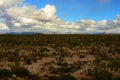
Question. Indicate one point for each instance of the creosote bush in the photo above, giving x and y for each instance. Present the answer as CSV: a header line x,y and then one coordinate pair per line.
x,y
100,74
5,73
67,77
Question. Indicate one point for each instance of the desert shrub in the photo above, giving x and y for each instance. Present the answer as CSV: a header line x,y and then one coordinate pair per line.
x,y
63,64
81,56
99,74
27,60
64,52
67,77
20,71
61,70
54,77
66,68
94,51
75,66
97,60
1,56
34,77
114,63
5,73
42,49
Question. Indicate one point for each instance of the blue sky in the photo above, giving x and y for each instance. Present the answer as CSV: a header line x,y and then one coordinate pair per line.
x,y
74,10
60,16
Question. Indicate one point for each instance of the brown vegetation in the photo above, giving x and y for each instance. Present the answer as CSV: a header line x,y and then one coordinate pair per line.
x,y
59,57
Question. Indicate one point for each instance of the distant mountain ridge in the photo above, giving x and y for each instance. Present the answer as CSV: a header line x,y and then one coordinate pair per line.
x,y
23,33
55,33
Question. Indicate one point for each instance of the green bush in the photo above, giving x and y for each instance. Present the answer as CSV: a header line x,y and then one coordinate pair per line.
x,y
67,77
99,74
115,63
5,73
21,72
28,61
34,77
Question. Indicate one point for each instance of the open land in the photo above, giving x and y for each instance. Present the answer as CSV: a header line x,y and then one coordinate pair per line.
x,y
60,57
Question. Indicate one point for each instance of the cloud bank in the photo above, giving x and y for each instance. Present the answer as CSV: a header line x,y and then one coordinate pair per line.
x,y
16,17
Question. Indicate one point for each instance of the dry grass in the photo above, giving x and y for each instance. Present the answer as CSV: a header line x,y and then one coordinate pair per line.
x,y
46,55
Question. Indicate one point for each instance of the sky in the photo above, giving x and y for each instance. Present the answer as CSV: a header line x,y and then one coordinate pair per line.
x,y
74,10
60,16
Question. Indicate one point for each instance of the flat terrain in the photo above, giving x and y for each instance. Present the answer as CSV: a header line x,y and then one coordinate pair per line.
x,y
60,57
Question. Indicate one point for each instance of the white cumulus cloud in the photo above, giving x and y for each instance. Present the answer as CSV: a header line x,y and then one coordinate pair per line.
x,y
18,17
9,3
3,26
